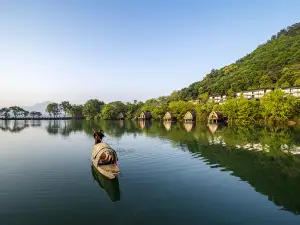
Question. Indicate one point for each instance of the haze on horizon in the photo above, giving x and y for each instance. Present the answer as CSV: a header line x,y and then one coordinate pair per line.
x,y
125,50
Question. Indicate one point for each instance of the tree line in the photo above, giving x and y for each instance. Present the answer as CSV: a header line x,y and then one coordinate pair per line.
x,y
273,106
18,112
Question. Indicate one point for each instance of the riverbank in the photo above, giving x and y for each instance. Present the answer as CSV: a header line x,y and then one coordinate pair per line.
x,y
44,118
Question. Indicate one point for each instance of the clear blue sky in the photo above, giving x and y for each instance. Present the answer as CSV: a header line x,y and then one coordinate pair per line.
x,y
124,50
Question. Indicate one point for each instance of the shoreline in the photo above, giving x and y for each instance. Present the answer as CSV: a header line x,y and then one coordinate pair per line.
x,y
46,118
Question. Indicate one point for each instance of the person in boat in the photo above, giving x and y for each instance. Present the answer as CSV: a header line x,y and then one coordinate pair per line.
x,y
98,136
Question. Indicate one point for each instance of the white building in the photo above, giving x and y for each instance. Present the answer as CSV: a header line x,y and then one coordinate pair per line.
x,y
295,91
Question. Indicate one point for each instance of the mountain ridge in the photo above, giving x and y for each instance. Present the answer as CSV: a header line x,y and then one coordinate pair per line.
x,y
275,63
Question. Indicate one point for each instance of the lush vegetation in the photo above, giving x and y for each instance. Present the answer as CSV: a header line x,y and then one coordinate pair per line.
x,y
273,64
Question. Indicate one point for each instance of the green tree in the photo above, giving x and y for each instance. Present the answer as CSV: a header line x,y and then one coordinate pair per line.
x,y
247,111
92,107
76,111
53,109
180,108
265,82
65,106
112,110
276,106
159,112
229,109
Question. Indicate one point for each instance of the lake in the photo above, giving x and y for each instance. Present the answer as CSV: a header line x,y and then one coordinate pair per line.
x,y
171,174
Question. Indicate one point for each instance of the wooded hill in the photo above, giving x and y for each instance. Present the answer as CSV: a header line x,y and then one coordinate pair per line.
x,y
273,64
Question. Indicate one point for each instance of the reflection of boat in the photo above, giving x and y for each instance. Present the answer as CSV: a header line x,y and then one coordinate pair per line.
x,y
100,153
167,125
110,186
188,126
212,127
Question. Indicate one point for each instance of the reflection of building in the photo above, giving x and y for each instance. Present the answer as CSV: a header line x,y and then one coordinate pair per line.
x,y
145,116
189,117
167,125
168,117
121,123
212,127
188,126
144,124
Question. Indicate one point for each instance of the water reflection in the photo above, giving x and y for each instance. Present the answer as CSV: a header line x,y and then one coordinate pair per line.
x,y
168,125
189,126
111,187
15,126
264,157
212,127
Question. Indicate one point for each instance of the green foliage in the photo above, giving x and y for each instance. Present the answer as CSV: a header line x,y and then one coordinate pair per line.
x,y
276,106
92,107
159,112
230,109
247,111
180,108
275,63
65,106
76,111
112,110
53,109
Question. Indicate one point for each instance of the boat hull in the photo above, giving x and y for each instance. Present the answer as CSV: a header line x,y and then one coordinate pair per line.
x,y
110,171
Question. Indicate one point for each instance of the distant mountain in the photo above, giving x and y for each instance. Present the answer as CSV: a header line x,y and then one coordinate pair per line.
x,y
39,107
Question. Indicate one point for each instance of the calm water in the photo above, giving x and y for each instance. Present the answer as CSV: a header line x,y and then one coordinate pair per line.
x,y
171,174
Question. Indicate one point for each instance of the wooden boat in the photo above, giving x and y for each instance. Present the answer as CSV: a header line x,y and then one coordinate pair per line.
x,y
111,187
100,152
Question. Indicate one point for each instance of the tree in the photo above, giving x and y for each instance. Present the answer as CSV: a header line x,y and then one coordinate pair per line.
x,y
16,110
4,112
247,111
65,106
180,108
92,107
159,112
112,110
25,113
53,109
276,106
265,82
76,111
229,109
203,97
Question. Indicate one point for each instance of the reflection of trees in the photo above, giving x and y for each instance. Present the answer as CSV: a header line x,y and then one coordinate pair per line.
x,y
277,178
111,187
15,126
35,123
64,127
255,154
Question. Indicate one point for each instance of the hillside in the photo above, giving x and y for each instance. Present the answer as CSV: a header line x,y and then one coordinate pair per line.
x,y
273,64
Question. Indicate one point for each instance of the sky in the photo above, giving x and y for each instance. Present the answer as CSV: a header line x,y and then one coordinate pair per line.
x,y
56,50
